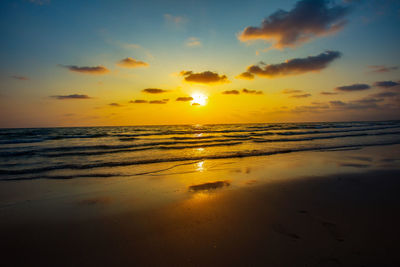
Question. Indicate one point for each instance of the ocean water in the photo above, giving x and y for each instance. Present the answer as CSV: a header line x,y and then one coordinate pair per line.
x,y
67,153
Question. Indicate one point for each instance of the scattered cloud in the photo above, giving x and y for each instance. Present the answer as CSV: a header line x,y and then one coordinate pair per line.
x,y
206,77
73,96
382,68
184,98
300,96
131,63
87,70
154,91
329,93
163,101
386,84
138,101
21,78
245,76
193,42
353,87
294,66
195,104
247,91
307,20
291,91
231,92
386,94
115,105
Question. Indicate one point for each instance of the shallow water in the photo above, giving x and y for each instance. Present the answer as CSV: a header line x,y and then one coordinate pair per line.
x,y
66,153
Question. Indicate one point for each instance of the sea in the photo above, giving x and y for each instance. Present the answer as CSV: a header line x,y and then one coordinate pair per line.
x,y
85,152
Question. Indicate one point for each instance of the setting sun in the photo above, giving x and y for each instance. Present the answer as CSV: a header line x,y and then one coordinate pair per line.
x,y
199,99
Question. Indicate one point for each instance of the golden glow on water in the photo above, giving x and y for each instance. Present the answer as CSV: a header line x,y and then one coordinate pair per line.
x,y
199,166
199,99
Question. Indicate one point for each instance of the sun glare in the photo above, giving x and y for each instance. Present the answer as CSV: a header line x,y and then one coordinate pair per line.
x,y
199,99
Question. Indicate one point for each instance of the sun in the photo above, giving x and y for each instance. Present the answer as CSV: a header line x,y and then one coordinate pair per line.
x,y
199,99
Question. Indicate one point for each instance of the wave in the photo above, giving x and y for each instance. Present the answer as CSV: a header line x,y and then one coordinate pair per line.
x,y
237,154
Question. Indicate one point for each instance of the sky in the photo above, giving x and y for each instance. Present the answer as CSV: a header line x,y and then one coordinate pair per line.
x,y
154,62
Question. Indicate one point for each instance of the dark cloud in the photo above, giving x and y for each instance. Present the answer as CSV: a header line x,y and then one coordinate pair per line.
x,y
308,19
206,77
73,96
231,92
386,84
114,105
245,76
301,96
328,93
131,63
295,66
138,101
195,104
154,91
21,78
291,91
163,101
247,91
353,87
382,68
184,98
386,94
87,70
364,103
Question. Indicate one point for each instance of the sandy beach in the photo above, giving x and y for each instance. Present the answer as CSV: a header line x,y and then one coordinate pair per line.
x,y
331,208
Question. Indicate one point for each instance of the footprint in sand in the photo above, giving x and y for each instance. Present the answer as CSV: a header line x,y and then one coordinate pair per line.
x,y
280,229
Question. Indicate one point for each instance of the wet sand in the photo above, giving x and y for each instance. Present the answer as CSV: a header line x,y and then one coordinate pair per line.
x,y
348,216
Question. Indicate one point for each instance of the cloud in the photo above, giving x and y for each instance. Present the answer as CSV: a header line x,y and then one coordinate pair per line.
x,y
245,76
231,92
154,91
193,42
247,91
291,91
177,20
114,105
206,77
353,87
364,103
131,63
184,98
73,96
294,66
87,70
301,96
21,78
308,19
138,101
163,101
195,104
386,94
382,68
328,93
386,84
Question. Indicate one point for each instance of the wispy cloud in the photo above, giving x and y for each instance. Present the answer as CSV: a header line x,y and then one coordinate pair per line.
x,y
300,96
73,96
206,77
329,93
21,78
382,68
193,42
308,19
176,20
231,92
163,101
184,98
291,91
138,101
353,87
115,105
154,91
294,66
87,70
254,92
131,63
